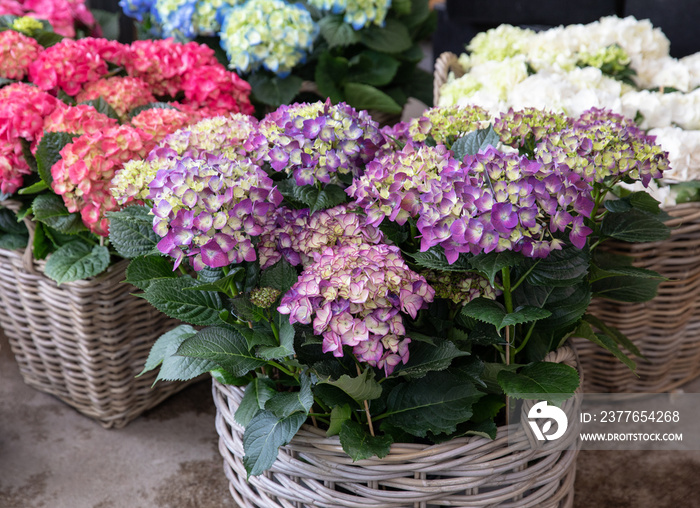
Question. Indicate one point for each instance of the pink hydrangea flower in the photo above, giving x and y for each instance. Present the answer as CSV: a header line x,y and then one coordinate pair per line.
x,y
63,15
80,119
158,123
122,93
17,51
212,86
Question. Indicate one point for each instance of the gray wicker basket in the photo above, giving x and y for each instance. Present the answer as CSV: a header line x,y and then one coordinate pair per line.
x,y
82,341
314,471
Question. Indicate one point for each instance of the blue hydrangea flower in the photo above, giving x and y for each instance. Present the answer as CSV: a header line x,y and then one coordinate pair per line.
x,y
206,18
358,13
175,18
136,8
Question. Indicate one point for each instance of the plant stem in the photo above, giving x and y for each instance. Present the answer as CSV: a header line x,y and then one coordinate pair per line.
x,y
369,416
522,279
280,367
507,294
524,342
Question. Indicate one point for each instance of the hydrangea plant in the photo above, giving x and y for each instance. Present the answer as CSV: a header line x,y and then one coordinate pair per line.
x,y
456,250
363,52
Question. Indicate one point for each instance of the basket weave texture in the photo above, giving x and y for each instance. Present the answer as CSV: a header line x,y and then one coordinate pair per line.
x,y
314,471
83,341
666,329
447,62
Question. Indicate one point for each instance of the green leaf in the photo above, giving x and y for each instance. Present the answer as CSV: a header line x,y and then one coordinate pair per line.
x,y
435,259
475,142
102,106
27,154
420,10
11,241
624,288
330,72
585,331
286,339
564,267
427,357
598,273
130,234
223,346
372,68
492,312
34,189
150,105
274,91
225,378
287,403
10,224
48,39
257,393
281,276
7,81
50,209
246,310
360,445
634,226
336,31
360,388
553,382
641,200
393,37
491,264
75,261
226,285
420,86
264,435
567,305
614,333
143,271
109,23
361,96
42,245
260,335
339,414
196,307
617,205
435,403
401,7
172,367
316,199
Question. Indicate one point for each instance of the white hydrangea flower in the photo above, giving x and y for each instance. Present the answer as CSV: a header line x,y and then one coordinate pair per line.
x,y
683,147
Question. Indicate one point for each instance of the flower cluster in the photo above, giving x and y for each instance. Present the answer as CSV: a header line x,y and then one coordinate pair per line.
x,y
83,174
267,33
158,122
528,126
443,124
210,208
63,15
175,18
317,142
354,295
358,13
80,119
17,51
296,236
216,89
231,136
611,59
460,288
122,93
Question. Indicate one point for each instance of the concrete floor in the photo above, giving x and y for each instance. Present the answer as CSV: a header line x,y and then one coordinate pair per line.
x,y
53,457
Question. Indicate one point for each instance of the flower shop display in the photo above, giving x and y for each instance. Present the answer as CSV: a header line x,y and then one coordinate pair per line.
x,y
632,75
364,53
379,292
82,110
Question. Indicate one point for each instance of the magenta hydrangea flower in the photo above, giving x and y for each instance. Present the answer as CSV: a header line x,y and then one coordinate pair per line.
x,y
317,142
209,208
354,295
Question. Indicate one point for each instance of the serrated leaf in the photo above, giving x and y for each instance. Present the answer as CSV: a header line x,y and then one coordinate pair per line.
x,y
226,285
641,200
257,393
359,444
260,335
634,226
553,382
624,288
339,414
336,31
42,245
130,235
617,205
360,388
144,270
286,340
315,199
48,152
246,310
264,435
361,96
11,241
223,346
150,105
284,404
196,307
564,267
393,37
103,106
492,312
614,333
225,378
50,209
435,259
598,273
435,403
75,261
491,264
567,305
475,142
372,68
585,331
281,276
429,357
9,223
274,91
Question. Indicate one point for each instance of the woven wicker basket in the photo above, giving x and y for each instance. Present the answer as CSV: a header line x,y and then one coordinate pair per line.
x,y
314,471
447,62
83,341
666,329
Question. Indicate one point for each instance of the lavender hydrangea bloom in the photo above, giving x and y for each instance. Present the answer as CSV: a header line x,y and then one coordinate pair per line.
x,y
354,295
317,142
528,126
209,208
445,124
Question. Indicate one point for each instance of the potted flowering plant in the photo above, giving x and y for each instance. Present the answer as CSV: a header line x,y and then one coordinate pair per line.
x,y
71,115
363,53
386,286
